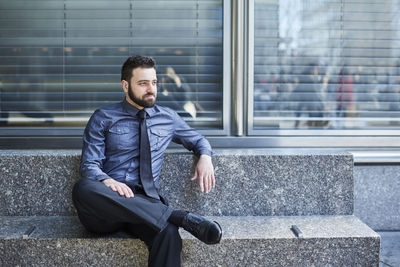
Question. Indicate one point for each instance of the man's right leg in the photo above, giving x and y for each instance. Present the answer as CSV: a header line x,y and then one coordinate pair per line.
x,y
95,203
93,199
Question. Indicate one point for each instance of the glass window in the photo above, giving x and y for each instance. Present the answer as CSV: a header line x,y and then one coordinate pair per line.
x,y
60,60
326,64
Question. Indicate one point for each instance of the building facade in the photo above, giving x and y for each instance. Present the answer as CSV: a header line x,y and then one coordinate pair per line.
x,y
257,73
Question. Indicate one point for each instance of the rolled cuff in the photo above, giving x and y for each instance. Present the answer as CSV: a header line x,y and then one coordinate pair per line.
x,y
204,152
99,177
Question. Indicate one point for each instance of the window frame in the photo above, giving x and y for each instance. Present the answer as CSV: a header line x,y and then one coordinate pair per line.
x,y
306,138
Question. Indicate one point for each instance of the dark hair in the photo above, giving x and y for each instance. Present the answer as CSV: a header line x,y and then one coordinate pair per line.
x,y
133,63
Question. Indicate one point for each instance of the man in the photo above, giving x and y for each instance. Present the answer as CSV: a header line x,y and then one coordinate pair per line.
x,y
123,149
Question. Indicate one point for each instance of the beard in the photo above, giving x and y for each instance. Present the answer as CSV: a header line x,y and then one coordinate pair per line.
x,y
141,102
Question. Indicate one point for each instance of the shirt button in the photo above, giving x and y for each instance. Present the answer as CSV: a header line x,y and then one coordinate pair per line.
x,y
127,175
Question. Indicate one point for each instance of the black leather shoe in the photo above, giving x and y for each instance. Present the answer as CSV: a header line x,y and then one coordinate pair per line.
x,y
207,231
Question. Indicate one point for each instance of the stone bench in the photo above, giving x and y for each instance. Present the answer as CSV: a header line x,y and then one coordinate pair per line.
x,y
248,241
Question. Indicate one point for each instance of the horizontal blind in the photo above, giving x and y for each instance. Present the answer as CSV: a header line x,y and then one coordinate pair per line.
x,y
326,64
60,60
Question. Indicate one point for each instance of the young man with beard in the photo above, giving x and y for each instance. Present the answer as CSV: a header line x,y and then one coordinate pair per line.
x,y
123,149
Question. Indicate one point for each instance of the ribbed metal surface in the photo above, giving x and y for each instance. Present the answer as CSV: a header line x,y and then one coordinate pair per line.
x,y
60,60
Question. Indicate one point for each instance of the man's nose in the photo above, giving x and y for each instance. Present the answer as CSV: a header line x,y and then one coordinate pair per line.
x,y
152,88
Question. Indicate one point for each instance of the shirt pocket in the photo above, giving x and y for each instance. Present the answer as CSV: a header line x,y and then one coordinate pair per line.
x,y
122,137
159,138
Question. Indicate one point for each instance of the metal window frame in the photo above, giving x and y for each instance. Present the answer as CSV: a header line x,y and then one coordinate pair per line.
x,y
238,67
226,91
305,138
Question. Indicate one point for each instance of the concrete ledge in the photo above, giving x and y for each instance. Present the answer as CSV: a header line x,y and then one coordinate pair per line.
x,y
390,248
247,241
376,156
249,182
377,198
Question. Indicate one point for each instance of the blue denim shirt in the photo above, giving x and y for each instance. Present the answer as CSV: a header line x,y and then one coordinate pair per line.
x,y
111,141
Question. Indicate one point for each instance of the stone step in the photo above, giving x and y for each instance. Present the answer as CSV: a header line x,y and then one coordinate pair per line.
x,y
247,241
254,182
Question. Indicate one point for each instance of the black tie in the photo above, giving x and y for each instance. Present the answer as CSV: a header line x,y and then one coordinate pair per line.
x,y
146,175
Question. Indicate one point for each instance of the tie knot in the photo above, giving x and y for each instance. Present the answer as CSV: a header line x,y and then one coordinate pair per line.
x,y
142,114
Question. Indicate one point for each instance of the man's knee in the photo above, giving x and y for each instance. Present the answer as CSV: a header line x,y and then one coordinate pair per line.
x,y
85,189
85,186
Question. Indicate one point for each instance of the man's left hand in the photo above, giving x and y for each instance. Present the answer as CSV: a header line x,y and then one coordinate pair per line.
x,y
204,172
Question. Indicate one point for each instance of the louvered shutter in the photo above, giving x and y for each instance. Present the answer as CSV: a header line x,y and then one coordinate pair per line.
x,y
60,60
326,65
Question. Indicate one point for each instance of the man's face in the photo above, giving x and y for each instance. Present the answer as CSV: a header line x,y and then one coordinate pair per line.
x,y
142,88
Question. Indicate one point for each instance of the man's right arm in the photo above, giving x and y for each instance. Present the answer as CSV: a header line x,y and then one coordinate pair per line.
x,y
93,150
93,156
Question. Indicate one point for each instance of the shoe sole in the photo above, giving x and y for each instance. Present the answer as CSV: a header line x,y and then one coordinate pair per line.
x,y
220,237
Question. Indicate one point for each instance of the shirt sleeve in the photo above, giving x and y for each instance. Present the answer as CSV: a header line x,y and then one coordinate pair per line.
x,y
189,138
93,150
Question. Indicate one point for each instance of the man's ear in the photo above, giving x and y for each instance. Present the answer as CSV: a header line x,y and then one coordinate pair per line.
x,y
125,85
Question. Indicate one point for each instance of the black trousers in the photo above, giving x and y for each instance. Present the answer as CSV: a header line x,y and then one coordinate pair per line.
x,y
102,210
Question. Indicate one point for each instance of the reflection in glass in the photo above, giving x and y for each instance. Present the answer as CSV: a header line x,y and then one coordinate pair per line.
x,y
326,64
178,94
61,59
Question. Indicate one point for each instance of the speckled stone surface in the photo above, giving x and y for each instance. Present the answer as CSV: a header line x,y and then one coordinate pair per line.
x,y
37,182
256,182
247,241
377,196
249,182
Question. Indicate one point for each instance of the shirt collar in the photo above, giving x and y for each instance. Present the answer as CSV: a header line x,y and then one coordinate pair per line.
x,y
134,110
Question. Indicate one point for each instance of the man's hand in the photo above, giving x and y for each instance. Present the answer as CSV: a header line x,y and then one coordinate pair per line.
x,y
116,186
204,172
